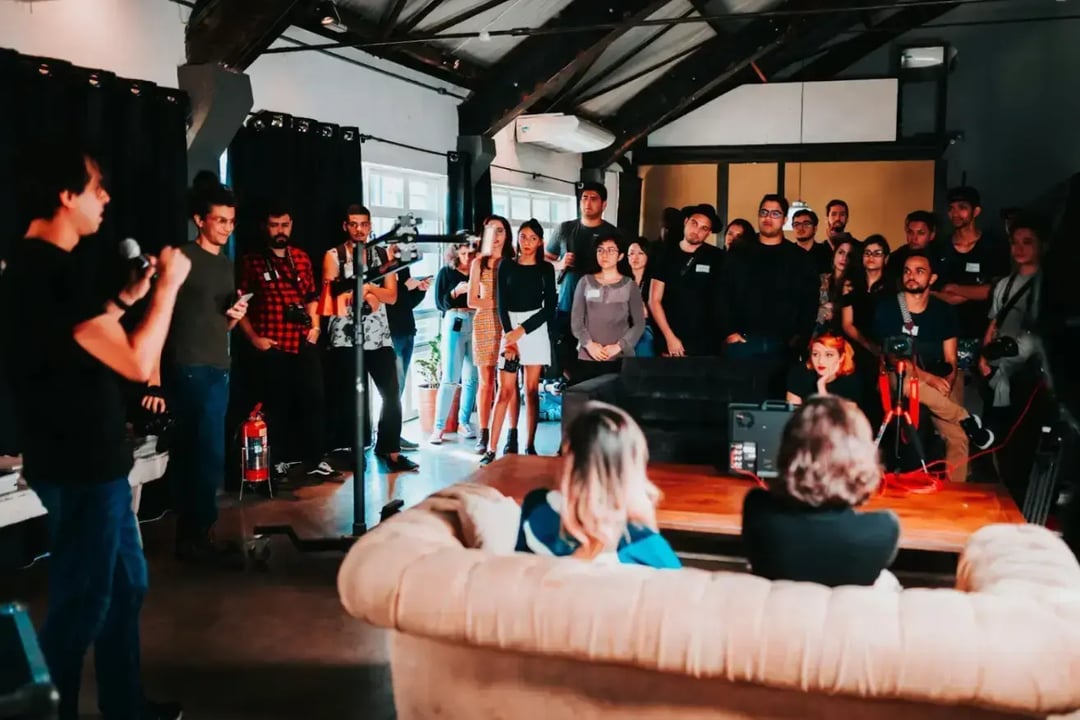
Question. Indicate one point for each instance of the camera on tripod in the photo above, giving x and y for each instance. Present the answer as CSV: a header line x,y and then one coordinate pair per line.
x,y
298,315
897,348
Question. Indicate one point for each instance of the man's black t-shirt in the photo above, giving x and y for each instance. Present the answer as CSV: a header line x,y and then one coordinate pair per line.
x,y
786,540
932,328
691,296
802,381
986,263
573,237
822,255
770,291
69,406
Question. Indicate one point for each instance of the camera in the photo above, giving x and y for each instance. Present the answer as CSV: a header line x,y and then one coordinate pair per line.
x,y
1001,347
900,347
298,315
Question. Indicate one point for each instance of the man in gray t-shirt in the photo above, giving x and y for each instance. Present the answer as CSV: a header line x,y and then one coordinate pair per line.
x,y
196,374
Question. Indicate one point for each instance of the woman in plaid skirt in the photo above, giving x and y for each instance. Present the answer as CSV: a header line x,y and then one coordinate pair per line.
x,y
487,330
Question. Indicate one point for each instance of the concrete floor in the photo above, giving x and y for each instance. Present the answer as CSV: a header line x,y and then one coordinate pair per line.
x,y
273,642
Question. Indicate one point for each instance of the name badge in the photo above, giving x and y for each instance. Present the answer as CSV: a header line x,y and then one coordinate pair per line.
x,y
266,276
972,268
913,330
592,294
702,268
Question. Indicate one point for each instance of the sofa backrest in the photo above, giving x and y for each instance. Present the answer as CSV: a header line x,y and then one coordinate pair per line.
x,y
1011,642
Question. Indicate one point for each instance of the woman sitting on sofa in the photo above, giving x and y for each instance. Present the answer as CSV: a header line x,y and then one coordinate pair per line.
x,y
829,371
805,526
605,507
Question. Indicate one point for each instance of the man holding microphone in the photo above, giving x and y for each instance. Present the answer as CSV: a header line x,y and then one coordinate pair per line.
x,y
66,358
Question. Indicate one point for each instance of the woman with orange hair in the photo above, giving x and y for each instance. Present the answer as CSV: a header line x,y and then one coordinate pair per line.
x,y
829,371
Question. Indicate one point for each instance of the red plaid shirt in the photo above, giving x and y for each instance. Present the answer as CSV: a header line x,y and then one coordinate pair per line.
x,y
277,284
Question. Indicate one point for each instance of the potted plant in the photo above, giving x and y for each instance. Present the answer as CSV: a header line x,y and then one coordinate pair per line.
x,y
430,369
430,377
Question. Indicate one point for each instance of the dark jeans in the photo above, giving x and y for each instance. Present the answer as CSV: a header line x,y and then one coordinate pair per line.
x,y
766,354
97,581
199,398
290,387
381,366
589,369
403,349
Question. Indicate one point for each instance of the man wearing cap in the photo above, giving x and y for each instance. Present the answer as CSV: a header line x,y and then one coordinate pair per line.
x,y
572,249
685,294
770,295
967,265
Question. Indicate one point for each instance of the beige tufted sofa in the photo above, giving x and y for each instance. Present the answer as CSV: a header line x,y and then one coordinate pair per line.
x,y
480,632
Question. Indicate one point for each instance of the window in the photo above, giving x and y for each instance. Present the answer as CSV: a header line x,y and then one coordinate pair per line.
x,y
390,193
518,205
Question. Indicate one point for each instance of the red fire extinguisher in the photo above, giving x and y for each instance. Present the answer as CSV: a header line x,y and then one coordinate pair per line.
x,y
255,460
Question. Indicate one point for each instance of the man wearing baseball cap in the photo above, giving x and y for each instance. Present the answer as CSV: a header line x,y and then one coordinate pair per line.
x,y
685,294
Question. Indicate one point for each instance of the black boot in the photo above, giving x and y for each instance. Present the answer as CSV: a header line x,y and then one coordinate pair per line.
x,y
482,443
511,446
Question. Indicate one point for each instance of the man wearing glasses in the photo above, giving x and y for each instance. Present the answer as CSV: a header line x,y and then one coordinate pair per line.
x,y
805,224
771,295
685,293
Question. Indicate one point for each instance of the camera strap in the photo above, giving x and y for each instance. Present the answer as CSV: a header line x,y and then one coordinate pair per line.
x,y
909,322
1010,302
294,278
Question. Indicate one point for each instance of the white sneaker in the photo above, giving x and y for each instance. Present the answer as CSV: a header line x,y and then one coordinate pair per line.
x,y
436,438
323,468
466,431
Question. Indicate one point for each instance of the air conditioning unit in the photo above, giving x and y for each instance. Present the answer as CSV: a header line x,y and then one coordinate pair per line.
x,y
562,133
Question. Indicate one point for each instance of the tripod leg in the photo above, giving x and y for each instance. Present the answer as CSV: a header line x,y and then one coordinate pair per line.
x,y
916,441
884,424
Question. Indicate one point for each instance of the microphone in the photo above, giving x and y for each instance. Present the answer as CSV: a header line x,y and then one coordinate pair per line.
x,y
130,251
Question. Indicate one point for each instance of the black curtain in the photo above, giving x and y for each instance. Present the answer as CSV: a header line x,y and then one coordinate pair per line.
x,y
311,168
137,131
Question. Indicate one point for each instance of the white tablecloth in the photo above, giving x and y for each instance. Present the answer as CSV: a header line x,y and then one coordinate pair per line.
x,y
23,504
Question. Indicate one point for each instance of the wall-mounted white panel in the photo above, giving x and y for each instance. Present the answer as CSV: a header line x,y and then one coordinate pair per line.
x,y
790,113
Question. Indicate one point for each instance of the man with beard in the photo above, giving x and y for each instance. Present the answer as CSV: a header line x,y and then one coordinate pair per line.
x,y
931,324
684,295
196,373
283,328
770,296
572,250
836,219
967,265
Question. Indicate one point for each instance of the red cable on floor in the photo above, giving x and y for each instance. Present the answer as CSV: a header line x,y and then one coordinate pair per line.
x,y
918,482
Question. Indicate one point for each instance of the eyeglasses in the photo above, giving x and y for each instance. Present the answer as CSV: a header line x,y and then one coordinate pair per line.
x,y
776,214
607,251
874,253
802,224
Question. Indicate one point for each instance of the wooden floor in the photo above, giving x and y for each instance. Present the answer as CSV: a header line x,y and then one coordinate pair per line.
x,y
698,499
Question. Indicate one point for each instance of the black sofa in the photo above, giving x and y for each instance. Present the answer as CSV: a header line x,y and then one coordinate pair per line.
x,y
680,403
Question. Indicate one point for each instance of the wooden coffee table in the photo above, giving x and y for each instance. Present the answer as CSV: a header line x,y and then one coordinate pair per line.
x,y
702,501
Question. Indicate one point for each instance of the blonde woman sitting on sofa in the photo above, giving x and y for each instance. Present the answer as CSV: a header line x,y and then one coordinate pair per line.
x,y
605,507
805,526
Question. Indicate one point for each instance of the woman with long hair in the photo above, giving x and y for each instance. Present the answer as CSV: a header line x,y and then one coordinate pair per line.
x,y
526,298
829,371
738,232
458,368
637,256
805,527
487,329
605,507
868,285
832,288
608,315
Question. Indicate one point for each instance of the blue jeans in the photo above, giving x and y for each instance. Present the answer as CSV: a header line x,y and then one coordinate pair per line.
x,y
645,346
458,368
198,396
403,349
97,582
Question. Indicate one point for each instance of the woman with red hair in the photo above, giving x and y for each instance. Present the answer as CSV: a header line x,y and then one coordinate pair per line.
x,y
829,371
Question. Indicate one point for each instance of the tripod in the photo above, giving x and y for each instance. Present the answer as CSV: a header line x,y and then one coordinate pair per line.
x,y
896,411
